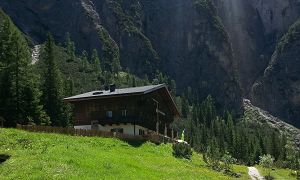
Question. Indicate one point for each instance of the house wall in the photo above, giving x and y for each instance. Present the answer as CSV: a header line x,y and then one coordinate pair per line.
x,y
127,128
91,110
141,110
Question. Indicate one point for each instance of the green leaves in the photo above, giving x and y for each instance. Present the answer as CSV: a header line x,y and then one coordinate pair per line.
x,y
52,85
19,94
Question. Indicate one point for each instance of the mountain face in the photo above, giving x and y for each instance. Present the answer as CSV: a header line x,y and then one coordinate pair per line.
x,y
278,91
254,27
185,39
228,49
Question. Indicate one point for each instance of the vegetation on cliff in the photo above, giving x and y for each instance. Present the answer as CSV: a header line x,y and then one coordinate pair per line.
x,y
290,38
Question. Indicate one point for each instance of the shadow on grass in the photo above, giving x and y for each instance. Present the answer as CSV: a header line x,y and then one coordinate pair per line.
x,y
3,158
136,143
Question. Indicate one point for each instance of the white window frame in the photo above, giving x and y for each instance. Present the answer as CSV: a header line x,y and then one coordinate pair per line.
x,y
124,113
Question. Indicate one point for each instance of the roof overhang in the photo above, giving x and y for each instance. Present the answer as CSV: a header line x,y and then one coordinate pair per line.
x,y
159,87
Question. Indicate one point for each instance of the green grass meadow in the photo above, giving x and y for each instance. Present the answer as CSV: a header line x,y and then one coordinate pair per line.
x,y
54,156
280,174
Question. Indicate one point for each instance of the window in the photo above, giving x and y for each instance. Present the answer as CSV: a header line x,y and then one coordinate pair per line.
x,y
118,130
109,114
141,132
124,113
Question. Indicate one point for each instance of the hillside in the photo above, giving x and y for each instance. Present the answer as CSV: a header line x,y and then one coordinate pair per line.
x,y
198,43
52,156
258,116
144,36
277,91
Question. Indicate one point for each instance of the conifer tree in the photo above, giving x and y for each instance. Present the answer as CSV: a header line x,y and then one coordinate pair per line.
x,y
96,62
230,134
85,62
173,87
19,94
70,46
52,87
184,107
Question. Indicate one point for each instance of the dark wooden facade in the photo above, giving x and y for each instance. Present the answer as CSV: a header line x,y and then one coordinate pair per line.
x,y
136,109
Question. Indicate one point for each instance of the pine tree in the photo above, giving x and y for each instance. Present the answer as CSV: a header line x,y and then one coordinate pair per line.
x,y
96,62
70,47
230,133
52,87
173,87
19,94
84,60
184,107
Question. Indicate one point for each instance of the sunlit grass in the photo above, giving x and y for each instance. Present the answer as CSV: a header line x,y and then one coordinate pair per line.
x,y
281,174
53,156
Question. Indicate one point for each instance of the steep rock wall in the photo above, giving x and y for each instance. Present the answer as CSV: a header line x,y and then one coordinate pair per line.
x,y
254,27
278,91
185,39
193,46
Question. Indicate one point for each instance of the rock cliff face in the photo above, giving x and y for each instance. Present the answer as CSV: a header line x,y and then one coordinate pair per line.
x,y
277,15
185,39
254,27
278,91
193,46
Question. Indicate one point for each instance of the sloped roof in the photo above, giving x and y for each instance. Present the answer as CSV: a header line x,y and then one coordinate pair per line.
x,y
121,92
117,92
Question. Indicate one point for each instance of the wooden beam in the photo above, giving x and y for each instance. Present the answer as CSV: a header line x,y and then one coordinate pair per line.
x,y
160,112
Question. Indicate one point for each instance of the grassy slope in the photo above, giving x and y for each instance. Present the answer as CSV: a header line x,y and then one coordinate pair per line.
x,y
53,156
277,174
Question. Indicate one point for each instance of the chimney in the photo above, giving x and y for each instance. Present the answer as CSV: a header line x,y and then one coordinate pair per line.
x,y
112,88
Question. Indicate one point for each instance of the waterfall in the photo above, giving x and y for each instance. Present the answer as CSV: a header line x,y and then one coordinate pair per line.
x,y
35,54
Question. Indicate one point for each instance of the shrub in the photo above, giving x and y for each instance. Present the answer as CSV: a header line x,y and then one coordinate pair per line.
x,y
267,161
182,150
212,158
228,161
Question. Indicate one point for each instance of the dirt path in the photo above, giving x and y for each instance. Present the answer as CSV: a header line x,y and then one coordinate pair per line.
x,y
254,174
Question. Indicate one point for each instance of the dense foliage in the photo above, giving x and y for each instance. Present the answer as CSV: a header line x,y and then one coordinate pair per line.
x,y
182,150
19,93
216,135
33,93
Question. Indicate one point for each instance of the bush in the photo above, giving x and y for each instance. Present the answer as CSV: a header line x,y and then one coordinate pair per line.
x,y
267,161
228,161
182,150
212,158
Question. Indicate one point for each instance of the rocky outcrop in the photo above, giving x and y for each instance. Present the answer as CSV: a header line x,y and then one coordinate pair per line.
x,y
246,33
268,78
257,115
254,27
278,91
277,15
185,39
189,40
193,46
